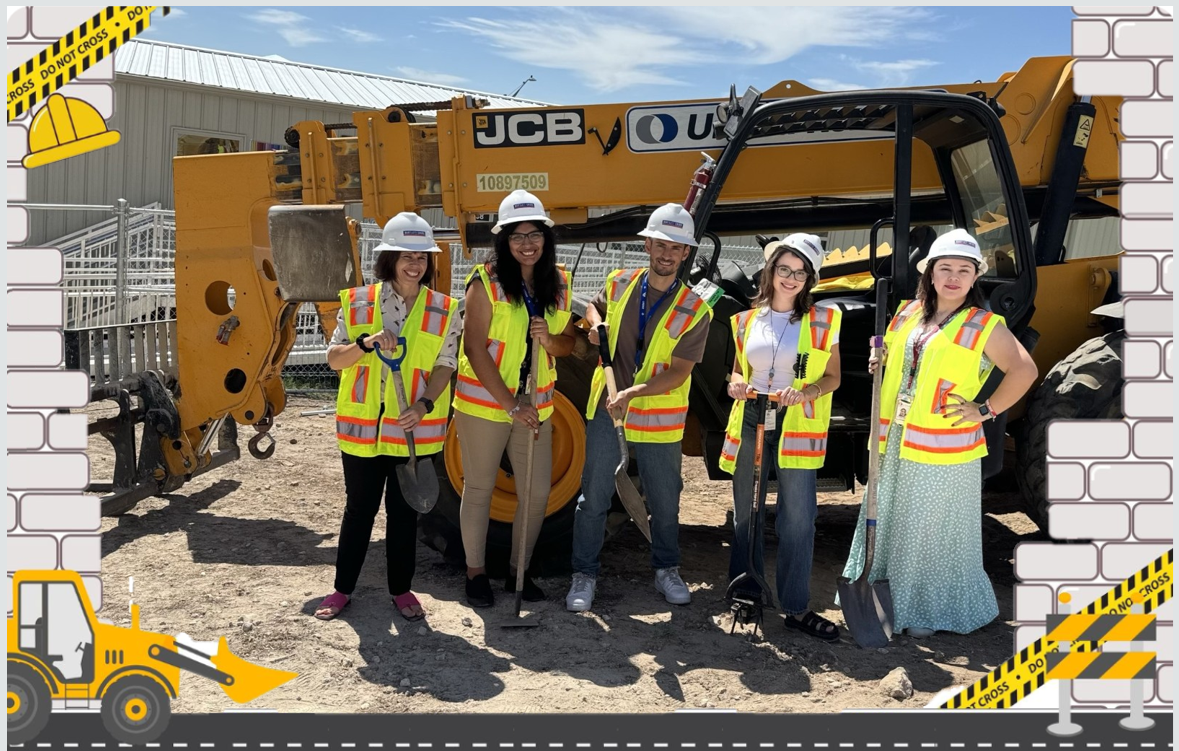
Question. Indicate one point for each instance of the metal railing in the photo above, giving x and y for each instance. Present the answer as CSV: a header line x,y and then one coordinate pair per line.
x,y
121,271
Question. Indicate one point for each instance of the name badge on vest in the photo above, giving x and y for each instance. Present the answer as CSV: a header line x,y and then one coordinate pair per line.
x,y
903,405
771,419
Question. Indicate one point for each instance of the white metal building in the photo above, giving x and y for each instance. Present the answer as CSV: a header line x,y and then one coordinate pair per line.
x,y
174,100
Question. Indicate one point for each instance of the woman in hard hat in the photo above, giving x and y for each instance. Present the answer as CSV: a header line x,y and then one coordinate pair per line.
x,y
939,349
518,296
370,429
788,347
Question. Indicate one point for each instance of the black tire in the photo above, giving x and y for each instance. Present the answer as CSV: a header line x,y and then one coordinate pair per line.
x,y
1086,385
136,710
29,702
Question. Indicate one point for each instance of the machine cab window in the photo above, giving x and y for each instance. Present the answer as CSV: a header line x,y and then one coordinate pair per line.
x,y
54,626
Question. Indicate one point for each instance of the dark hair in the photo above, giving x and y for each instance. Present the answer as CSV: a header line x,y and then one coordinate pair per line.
x,y
385,267
928,295
546,282
765,288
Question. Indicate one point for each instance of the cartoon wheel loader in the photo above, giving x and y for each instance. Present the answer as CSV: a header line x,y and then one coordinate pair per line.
x,y
62,658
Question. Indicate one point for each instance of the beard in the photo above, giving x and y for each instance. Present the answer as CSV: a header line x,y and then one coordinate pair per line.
x,y
657,271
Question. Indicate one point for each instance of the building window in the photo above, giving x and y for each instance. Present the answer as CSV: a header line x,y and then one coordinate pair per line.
x,y
193,143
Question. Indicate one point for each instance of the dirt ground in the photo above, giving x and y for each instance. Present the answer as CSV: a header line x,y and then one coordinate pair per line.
x,y
247,552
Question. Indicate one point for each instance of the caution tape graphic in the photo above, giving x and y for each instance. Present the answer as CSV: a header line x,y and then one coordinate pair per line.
x,y
74,54
1027,671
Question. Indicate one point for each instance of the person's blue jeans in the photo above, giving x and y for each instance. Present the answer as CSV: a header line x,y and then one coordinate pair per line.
x,y
659,467
795,524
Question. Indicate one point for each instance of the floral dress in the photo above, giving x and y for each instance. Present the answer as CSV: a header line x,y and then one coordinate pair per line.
x,y
928,538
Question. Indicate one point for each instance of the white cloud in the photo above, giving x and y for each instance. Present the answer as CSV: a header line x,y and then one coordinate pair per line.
x,y
359,35
830,84
774,34
295,28
426,76
567,39
659,43
896,73
177,12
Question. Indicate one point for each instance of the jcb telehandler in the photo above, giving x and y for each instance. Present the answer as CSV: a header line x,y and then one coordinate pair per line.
x,y
994,158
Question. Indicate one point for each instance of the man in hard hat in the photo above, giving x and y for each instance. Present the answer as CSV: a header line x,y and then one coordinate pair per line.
x,y
657,329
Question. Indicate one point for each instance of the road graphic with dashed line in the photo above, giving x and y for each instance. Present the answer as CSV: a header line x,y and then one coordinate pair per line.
x,y
696,731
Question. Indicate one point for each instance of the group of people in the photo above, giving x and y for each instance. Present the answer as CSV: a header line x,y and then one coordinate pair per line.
x,y
944,344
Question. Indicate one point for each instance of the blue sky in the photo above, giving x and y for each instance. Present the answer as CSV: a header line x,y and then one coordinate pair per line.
x,y
586,55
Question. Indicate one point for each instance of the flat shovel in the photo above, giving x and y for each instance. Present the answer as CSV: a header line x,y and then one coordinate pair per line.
x,y
524,498
627,492
419,483
867,607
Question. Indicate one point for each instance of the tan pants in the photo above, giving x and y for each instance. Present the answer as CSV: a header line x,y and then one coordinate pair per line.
x,y
482,443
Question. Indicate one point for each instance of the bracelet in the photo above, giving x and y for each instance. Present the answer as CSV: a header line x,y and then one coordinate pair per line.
x,y
817,388
428,404
512,412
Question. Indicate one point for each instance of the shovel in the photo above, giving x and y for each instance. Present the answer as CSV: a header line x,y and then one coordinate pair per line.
x,y
419,484
745,606
525,498
627,492
867,607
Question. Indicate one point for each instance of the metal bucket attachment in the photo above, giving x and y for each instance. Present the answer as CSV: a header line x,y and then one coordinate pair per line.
x,y
313,254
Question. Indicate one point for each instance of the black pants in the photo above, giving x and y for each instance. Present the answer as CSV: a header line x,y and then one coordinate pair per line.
x,y
366,479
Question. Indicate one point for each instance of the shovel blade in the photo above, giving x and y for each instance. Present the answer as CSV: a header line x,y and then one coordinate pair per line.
x,y
419,485
633,503
249,680
313,253
867,609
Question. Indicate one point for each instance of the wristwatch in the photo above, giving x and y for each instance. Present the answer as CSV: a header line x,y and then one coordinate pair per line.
x,y
429,404
360,343
985,410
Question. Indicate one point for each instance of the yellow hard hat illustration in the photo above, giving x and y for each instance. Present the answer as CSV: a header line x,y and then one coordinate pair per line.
x,y
66,127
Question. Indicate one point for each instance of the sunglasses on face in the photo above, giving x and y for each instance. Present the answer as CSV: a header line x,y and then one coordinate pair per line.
x,y
788,273
518,238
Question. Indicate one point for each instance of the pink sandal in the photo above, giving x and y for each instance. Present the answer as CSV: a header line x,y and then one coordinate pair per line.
x,y
333,604
408,600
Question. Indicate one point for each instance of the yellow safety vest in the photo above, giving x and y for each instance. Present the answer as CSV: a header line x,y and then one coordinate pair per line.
x,y
950,364
358,402
803,442
659,418
506,343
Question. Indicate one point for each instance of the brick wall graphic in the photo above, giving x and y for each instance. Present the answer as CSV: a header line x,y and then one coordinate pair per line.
x,y
1110,483
51,524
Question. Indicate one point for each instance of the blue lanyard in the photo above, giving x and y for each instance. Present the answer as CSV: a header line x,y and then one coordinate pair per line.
x,y
529,303
644,317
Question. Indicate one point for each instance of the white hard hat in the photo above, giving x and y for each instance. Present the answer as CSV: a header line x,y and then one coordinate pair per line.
x,y
957,243
408,231
673,223
810,247
520,206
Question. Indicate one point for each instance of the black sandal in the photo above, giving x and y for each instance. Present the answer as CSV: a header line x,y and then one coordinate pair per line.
x,y
814,625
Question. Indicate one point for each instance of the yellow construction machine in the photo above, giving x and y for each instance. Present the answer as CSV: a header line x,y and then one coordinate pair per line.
x,y
62,658
260,233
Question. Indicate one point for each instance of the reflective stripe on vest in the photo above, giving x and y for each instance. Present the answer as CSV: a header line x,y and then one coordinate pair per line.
x,y
971,332
356,430
940,399
729,450
657,419
468,389
804,444
944,440
360,386
426,433
436,316
682,314
821,320
620,284
361,302
882,432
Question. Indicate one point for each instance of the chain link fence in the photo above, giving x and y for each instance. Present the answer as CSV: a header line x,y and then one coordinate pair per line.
x,y
121,270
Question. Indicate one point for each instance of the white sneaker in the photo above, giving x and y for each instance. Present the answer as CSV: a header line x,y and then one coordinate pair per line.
x,y
671,586
581,594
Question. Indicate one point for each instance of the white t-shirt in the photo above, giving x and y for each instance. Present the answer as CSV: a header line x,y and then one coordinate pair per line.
x,y
772,343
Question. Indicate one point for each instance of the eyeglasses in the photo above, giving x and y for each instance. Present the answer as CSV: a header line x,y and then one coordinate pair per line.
x,y
517,238
788,273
